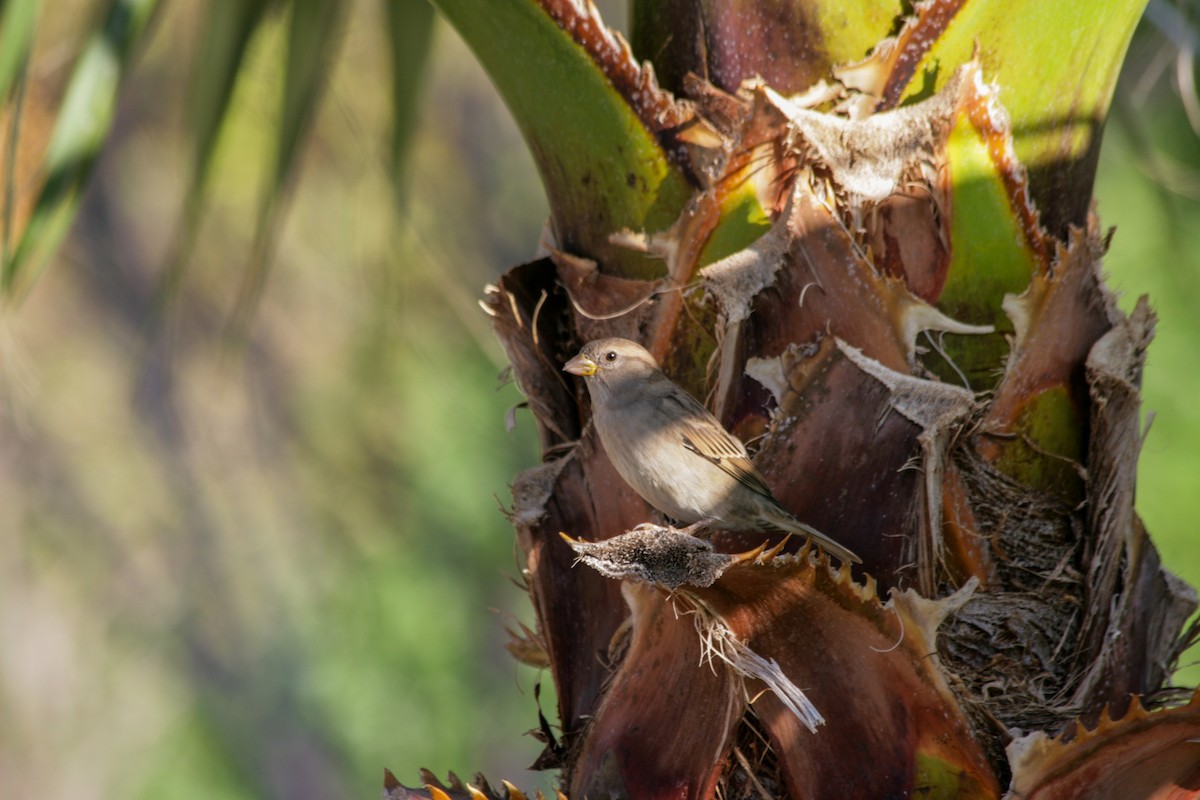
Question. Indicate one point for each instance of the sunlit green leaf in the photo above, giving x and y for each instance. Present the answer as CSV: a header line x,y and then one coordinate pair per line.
x,y
18,19
1056,65
410,26
743,220
314,31
229,27
851,28
602,169
313,36
990,255
82,127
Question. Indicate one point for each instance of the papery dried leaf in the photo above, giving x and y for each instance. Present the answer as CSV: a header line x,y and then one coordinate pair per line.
x,y
738,278
1133,607
665,718
824,283
940,410
392,788
548,499
819,448
1082,614
1058,104
596,296
722,645
1141,756
527,311
852,656
527,648
1035,425
856,654
869,158
745,180
434,789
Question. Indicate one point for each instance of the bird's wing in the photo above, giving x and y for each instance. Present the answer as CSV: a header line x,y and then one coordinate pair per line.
x,y
704,436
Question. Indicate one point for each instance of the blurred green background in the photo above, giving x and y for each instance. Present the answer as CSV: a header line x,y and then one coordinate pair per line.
x,y
271,571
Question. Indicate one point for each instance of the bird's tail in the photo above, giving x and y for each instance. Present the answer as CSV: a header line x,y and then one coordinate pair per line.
x,y
787,522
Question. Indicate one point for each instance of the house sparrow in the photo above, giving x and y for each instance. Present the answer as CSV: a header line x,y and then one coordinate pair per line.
x,y
672,451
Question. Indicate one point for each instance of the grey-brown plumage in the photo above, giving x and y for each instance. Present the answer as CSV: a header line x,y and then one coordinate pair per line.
x,y
672,451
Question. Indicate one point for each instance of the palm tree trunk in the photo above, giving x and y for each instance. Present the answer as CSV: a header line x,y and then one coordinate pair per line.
x,y
867,283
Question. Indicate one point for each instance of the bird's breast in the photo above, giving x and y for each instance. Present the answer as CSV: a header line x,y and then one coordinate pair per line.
x,y
646,448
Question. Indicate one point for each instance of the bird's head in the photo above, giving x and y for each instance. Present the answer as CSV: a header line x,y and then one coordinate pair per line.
x,y
611,360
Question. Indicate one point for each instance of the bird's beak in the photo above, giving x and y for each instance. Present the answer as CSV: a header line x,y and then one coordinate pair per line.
x,y
580,365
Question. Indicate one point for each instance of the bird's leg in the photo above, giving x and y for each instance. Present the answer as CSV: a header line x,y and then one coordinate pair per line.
x,y
692,530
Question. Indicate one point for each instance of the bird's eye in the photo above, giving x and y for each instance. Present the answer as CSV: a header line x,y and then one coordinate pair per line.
x,y
610,356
